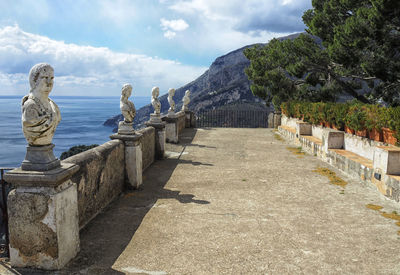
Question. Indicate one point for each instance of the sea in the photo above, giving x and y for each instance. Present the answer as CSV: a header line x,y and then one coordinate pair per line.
x,y
81,123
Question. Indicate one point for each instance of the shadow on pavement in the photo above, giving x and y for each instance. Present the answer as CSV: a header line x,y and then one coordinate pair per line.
x,y
105,238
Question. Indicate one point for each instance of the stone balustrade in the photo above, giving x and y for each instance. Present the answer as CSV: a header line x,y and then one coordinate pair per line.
x,y
53,200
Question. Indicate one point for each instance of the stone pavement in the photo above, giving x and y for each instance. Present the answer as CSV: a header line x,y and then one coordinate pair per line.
x,y
239,201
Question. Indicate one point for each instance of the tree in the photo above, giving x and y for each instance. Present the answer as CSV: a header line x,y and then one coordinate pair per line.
x,y
360,45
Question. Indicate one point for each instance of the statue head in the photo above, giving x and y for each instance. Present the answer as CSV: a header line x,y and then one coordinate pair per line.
x,y
126,91
155,92
41,78
187,93
171,92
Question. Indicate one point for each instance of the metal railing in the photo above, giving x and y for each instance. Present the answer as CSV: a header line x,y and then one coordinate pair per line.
x,y
232,118
5,189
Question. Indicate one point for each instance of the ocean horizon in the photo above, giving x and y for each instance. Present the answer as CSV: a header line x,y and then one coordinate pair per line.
x,y
81,123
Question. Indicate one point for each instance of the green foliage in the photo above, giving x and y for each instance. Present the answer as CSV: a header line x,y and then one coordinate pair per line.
x,y
361,42
356,117
353,114
76,150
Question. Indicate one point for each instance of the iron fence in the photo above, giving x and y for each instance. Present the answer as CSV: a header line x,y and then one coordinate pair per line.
x,y
5,189
232,118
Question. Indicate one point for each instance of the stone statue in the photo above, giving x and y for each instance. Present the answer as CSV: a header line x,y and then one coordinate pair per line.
x,y
128,111
171,110
154,100
127,107
40,115
186,101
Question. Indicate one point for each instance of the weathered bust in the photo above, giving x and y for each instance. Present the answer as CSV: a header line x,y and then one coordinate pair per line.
x,y
127,107
186,100
154,100
40,115
171,93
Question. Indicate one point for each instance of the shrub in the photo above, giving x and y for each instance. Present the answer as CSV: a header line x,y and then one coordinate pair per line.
x,y
76,150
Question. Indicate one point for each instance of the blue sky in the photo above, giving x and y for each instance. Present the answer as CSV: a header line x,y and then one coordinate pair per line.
x,y
95,46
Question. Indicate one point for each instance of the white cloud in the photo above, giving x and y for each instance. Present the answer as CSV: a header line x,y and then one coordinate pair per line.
x,y
169,34
170,27
226,25
175,25
85,69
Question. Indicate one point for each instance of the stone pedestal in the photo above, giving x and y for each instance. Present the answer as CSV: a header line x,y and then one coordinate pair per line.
x,y
277,119
190,119
40,158
271,120
155,118
133,158
303,129
43,217
171,129
125,128
332,139
160,138
171,114
386,160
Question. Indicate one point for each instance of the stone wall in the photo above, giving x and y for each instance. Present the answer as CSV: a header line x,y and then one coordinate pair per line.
x,y
147,145
100,178
361,146
288,121
181,121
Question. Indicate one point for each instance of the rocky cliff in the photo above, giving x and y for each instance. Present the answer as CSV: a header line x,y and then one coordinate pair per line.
x,y
223,84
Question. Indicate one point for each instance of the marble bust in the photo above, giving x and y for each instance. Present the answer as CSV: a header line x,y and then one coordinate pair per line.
x,y
127,107
154,100
186,100
171,93
128,111
40,115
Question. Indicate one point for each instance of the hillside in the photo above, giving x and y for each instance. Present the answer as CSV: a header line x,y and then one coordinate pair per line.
x,y
223,84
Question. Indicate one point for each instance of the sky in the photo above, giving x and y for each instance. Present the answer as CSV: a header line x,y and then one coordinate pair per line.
x,y
96,46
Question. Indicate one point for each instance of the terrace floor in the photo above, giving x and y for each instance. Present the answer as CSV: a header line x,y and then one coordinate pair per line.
x,y
240,201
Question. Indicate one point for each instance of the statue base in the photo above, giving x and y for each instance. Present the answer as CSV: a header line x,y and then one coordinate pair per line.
x,y
155,118
40,158
171,114
125,128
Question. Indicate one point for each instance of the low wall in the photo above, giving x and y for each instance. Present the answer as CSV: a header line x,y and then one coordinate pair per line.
x,y
317,131
100,178
181,121
361,146
288,121
357,159
148,143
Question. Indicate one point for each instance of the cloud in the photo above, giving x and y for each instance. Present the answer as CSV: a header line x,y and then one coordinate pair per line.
x,y
225,25
170,27
250,15
85,69
175,25
169,34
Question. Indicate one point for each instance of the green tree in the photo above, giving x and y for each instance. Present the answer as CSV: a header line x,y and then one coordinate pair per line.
x,y
360,45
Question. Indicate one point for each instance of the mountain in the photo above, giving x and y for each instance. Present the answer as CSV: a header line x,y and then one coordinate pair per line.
x,y
223,84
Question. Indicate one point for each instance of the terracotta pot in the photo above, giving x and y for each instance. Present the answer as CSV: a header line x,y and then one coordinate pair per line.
x,y
328,124
362,133
375,135
348,130
388,136
335,127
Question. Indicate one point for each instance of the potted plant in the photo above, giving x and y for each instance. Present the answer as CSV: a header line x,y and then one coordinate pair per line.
x,y
373,122
391,127
355,120
339,114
